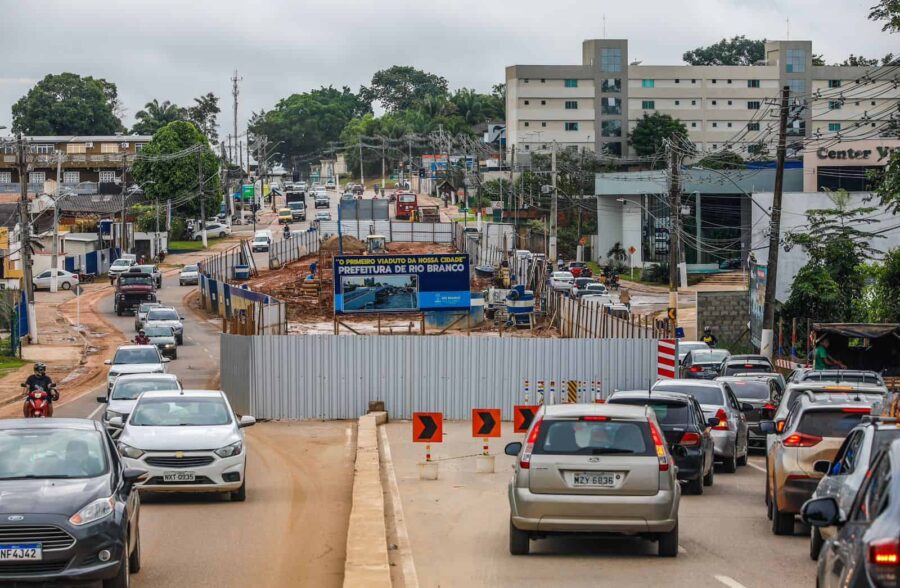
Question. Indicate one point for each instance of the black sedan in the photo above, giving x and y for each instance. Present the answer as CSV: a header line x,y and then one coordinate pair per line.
x,y
703,364
686,431
69,508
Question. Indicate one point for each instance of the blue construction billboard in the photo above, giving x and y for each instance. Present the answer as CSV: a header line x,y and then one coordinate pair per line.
x,y
401,283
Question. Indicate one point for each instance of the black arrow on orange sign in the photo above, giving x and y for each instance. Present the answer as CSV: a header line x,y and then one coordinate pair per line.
x,y
429,427
487,423
527,417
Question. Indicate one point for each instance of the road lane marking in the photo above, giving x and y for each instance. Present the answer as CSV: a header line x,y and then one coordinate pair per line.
x,y
730,582
682,549
407,562
756,467
96,412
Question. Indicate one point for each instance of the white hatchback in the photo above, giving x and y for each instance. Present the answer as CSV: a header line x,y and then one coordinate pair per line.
x,y
188,441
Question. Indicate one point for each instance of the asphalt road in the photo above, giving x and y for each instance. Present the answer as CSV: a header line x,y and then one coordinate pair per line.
x,y
458,530
292,528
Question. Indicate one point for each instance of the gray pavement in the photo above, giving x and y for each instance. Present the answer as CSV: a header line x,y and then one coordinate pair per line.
x,y
458,529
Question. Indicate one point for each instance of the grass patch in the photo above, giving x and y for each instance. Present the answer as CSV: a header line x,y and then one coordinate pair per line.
x,y
177,246
10,364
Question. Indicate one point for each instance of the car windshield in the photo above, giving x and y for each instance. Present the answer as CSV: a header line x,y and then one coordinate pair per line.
x,y
750,389
260,239
162,315
136,355
295,205
51,453
593,286
120,263
407,197
582,282
147,269
180,412
572,437
829,423
141,280
131,389
709,355
158,331
146,306
563,275
668,412
189,268
703,394
687,347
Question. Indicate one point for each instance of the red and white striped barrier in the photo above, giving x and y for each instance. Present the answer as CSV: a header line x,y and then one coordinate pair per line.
x,y
666,354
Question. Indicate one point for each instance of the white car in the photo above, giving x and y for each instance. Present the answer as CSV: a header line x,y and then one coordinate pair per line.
x,y
213,230
135,359
323,215
64,280
188,441
190,274
562,281
120,265
124,394
330,185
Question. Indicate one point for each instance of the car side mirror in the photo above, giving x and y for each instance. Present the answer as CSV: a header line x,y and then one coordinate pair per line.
x,y
132,476
823,466
746,407
107,362
767,427
713,422
181,318
246,421
22,384
821,512
513,449
166,360
115,422
102,399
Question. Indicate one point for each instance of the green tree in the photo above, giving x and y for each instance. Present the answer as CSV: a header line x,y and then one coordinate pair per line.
x,y
68,104
860,61
178,178
652,131
888,11
815,295
723,160
204,113
155,115
735,51
400,87
617,252
888,186
886,289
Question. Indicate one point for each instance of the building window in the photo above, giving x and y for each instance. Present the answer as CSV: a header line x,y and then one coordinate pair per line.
x,y
571,104
543,146
527,147
693,125
715,125
543,81
527,102
729,81
37,178
648,104
796,128
571,126
613,149
647,84
834,127
677,81
76,148
729,125
543,124
753,83
796,61
693,103
42,149
70,177
611,85
571,83
715,146
109,148
834,83
138,147
611,128
543,103
107,177
873,103
525,81
5,177
834,105
610,59
754,126
678,103
753,105
797,86
714,81
693,81
527,124
714,102
611,106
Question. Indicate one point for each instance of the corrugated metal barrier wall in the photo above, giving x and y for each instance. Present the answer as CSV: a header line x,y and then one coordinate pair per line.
x,y
328,377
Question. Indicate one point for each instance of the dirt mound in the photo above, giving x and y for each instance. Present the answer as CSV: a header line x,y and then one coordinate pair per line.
x,y
351,245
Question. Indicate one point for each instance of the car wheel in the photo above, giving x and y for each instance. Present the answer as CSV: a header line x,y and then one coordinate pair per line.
x,y
118,310
180,340
175,355
134,561
694,486
729,465
122,579
519,541
668,543
742,460
782,522
815,543
66,285
221,235
240,495
708,478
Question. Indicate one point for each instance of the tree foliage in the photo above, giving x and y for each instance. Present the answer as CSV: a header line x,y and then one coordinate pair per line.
x,y
652,131
204,114
860,61
815,295
888,11
735,51
400,87
723,160
155,115
68,104
888,187
179,179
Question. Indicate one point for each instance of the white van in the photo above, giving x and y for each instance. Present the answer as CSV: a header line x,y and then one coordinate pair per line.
x,y
262,240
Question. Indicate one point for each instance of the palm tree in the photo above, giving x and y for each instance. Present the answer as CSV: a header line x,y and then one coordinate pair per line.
x,y
155,116
470,106
617,252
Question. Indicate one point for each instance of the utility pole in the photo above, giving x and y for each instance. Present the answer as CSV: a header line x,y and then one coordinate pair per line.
x,y
54,274
234,92
674,247
362,177
410,164
553,204
123,242
25,240
383,180
767,336
202,199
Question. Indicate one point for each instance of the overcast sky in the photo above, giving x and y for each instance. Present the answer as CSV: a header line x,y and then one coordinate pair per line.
x,y
177,49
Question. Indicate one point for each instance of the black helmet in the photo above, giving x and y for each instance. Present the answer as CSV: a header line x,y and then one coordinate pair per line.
x,y
707,329
40,368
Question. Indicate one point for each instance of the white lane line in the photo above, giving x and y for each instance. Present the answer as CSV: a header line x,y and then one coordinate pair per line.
x,y
730,582
407,561
682,549
96,411
756,467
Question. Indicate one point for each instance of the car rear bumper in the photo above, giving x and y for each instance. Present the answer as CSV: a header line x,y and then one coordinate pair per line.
x,y
631,515
690,466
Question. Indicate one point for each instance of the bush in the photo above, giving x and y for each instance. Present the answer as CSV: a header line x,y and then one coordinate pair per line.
x,y
657,273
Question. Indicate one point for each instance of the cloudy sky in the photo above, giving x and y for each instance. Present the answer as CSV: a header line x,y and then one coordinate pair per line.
x,y
177,49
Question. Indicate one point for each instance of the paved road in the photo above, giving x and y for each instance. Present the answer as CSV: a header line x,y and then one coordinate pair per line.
x,y
292,529
458,530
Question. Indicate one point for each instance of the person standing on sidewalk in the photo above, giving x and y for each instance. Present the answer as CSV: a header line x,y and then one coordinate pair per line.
x,y
625,298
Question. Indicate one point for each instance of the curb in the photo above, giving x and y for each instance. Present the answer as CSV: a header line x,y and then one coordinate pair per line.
x,y
366,563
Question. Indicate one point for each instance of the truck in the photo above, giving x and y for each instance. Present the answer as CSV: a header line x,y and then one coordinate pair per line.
x,y
294,194
132,288
298,210
407,204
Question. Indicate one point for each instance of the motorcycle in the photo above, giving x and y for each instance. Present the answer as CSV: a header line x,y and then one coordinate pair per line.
x,y
614,282
37,402
86,278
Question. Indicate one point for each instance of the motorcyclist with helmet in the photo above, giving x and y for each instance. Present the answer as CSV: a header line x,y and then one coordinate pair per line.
x,y
40,379
141,338
709,338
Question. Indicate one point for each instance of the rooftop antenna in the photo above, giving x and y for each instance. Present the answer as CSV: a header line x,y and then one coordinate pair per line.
x,y
604,25
788,23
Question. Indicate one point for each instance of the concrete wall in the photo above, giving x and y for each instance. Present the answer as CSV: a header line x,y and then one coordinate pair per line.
x,y
727,313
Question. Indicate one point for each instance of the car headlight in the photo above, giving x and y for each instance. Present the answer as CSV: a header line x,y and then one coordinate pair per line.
x,y
230,450
129,451
94,511
169,345
111,414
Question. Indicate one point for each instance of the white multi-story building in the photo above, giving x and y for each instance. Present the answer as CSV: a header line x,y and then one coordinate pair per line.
x,y
597,104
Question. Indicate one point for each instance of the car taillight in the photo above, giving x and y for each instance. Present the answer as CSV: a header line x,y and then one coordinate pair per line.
x,y
690,440
779,426
884,562
857,410
525,460
723,420
769,406
695,369
660,448
801,440
594,418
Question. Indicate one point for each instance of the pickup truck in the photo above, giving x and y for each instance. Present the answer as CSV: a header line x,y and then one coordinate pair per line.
x,y
322,201
298,210
132,288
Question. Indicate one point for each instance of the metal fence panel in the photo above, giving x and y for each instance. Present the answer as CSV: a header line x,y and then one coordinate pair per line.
x,y
328,377
235,369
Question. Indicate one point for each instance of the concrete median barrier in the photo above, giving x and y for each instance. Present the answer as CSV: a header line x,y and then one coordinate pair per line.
x,y
367,563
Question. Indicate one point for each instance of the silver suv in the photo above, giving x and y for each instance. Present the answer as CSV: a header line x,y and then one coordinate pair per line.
x,y
594,469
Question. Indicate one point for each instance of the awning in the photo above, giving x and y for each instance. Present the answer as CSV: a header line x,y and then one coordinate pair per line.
x,y
872,331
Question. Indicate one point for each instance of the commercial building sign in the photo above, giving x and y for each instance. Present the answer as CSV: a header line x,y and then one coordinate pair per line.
x,y
879,154
401,283
757,302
